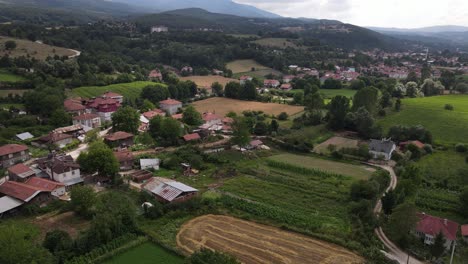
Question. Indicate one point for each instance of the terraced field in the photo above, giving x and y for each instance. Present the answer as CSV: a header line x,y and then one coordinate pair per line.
x,y
253,243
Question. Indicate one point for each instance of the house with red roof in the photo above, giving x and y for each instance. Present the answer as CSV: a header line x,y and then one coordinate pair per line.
x,y
125,159
286,87
119,139
61,169
155,75
88,120
170,106
288,78
244,78
74,107
11,154
212,119
55,188
152,113
112,95
464,232
192,137
428,227
104,106
20,173
24,192
269,83
53,138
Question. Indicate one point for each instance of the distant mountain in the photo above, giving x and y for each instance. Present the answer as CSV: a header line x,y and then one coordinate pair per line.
x,y
433,29
214,6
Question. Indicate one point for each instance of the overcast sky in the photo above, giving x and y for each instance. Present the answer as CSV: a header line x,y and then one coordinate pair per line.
x,y
379,13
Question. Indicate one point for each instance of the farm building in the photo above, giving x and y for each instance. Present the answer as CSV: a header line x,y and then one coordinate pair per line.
x,y
56,189
171,106
125,159
119,139
168,191
430,226
58,139
149,164
13,153
20,173
381,149
24,136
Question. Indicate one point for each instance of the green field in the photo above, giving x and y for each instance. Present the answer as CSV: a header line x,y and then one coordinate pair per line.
x,y
356,171
294,197
280,43
128,90
147,253
6,76
240,66
330,93
447,127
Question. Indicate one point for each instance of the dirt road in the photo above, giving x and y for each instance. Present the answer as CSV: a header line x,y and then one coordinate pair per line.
x,y
394,252
84,146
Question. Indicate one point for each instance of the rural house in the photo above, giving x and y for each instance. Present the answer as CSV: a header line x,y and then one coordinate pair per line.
x,y
56,189
119,139
381,148
61,169
212,119
112,95
430,226
88,120
125,159
20,173
464,232
245,78
286,87
268,83
191,137
74,107
13,153
57,139
171,106
24,192
104,108
288,78
168,191
155,75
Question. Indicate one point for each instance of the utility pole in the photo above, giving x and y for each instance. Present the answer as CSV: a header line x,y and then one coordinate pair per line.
x,y
453,251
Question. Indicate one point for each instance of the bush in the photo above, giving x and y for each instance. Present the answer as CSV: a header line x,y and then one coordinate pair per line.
x,y
448,107
382,112
460,147
283,116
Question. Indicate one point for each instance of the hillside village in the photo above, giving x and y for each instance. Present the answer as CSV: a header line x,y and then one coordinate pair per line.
x,y
361,156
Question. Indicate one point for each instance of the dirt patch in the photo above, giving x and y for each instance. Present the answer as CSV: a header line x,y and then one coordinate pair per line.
x,y
253,243
339,142
67,222
222,106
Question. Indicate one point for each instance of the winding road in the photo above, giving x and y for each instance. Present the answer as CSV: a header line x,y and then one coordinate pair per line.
x,y
394,252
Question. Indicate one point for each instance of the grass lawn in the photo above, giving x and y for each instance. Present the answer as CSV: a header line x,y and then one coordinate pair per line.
x,y
356,171
6,76
7,106
147,253
240,66
312,134
330,93
128,90
447,127
280,43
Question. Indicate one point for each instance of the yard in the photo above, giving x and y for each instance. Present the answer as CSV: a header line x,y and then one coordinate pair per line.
x,y
447,127
147,253
356,171
6,76
33,49
128,90
222,106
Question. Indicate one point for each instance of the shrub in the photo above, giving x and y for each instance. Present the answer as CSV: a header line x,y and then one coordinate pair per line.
x,y
448,107
283,116
460,147
382,112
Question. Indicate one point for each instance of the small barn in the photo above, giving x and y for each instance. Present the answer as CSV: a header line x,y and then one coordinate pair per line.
x,y
169,191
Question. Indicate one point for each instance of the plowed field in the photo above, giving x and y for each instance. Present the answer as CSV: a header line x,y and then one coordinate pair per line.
x,y
253,243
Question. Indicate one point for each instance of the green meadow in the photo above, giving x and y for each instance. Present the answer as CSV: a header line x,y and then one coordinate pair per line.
x,y
128,90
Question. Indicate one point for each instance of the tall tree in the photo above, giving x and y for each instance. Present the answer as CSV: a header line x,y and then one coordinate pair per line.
x,y
314,101
248,91
155,93
83,199
191,116
447,78
401,222
339,107
232,90
240,132
217,89
368,98
438,248
126,119
99,159
388,202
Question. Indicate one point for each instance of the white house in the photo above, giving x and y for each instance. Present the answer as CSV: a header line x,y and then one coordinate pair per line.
x,y
88,120
149,164
171,106
56,189
61,169
381,148
430,226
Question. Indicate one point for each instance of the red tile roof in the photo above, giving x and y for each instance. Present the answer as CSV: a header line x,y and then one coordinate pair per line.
x,y
20,169
177,116
286,86
119,135
245,78
152,113
73,105
417,143
111,95
124,155
85,117
44,184
54,137
190,137
170,102
155,74
270,82
464,230
21,191
432,225
11,149
228,120
210,117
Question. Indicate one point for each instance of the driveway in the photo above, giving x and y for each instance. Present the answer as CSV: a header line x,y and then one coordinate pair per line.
x,y
84,146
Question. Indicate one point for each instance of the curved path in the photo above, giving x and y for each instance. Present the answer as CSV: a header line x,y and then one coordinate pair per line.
x,y
394,252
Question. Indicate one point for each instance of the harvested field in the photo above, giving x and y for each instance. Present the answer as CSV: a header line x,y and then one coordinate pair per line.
x,y
238,66
33,49
256,243
207,81
339,142
67,222
222,106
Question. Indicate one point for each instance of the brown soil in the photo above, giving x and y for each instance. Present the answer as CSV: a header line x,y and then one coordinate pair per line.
x,y
253,243
67,222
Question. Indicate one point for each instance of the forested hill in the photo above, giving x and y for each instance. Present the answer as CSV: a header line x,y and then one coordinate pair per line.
x,y
329,32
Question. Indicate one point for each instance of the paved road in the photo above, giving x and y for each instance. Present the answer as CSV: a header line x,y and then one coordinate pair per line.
x,y
393,251
83,147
